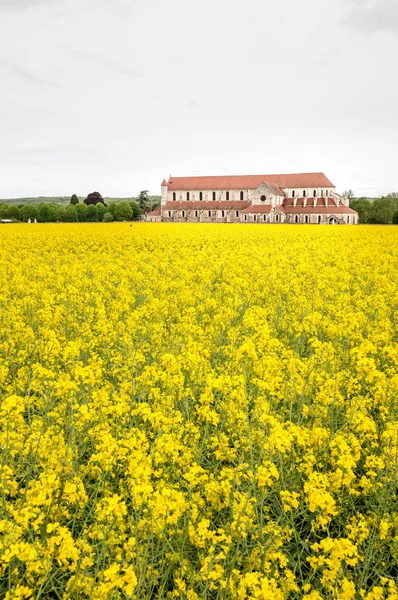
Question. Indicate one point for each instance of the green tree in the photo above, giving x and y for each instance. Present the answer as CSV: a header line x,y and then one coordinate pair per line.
x,y
108,217
112,208
363,207
61,212
101,209
92,213
29,211
144,201
135,210
74,200
123,212
71,214
4,211
14,212
44,212
81,210
383,210
395,218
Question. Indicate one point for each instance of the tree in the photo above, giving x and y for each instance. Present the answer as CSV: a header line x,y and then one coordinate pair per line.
x,y
112,208
108,217
392,195
395,218
383,210
74,200
4,211
101,211
71,214
61,212
29,211
363,207
123,212
81,211
144,201
349,194
135,210
94,198
92,213
14,212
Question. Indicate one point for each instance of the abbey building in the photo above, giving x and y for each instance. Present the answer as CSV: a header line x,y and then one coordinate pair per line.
x,y
298,198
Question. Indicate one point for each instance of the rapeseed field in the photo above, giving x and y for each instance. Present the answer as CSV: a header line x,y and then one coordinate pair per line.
x,y
198,411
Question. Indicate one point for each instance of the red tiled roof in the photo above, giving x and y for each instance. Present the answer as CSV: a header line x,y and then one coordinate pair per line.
x,y
154,213
190,205
332,209
225,182
164,182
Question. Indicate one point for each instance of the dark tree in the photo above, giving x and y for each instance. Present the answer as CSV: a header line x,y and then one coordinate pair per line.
x,y
94,198
395,218
74,200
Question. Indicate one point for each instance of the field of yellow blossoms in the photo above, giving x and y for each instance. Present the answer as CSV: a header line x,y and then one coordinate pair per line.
x,y
198,412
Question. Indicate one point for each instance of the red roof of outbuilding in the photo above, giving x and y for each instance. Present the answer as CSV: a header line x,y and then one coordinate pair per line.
x,y
332,209
154,213
258,208
225,182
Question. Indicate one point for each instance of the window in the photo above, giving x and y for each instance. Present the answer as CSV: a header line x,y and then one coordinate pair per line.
x,y
264,218
214,196
209,213
236,213
223,213
304,193
196,213
293,194
276,218
322,193
348,219
169,213
245,217
327,192
200,196
174,196
319,218
183,213
263,198
296,219
254,218
314,193
187,195
241,195
306,218
227,196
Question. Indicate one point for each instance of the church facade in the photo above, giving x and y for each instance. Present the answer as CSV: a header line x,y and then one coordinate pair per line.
x,y
293,198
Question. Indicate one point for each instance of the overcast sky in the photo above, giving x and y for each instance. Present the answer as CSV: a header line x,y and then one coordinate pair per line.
x,y
114,95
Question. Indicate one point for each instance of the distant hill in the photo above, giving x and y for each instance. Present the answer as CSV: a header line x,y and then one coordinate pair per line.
x,y
64,200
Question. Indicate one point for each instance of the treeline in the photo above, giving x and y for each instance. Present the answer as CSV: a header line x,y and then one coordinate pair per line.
x,y
380,211
73,213
65,200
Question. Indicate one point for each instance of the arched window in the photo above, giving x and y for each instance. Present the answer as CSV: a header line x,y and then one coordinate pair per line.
x,y
174,196
319,218
196,213
227,196
209,213
200,196
322,193
306,218
293,194
245,217
169,214
276,218
296,219
241,195
254,217
214,196
314,193
187,195
327,192
183,213
348,219
304,193
236,213
264,218
223,213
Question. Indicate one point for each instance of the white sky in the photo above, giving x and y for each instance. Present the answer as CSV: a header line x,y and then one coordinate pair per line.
x,y
114,95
